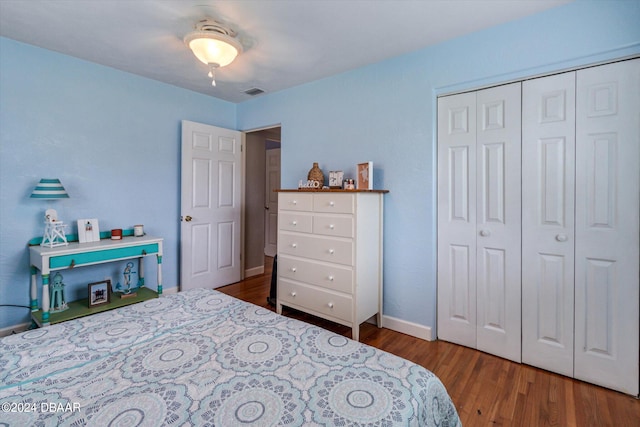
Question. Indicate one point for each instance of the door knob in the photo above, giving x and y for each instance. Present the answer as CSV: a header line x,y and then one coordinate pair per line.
x,y
485,233
188,218
562,237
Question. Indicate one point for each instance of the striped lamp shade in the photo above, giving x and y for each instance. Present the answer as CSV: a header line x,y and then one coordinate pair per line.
x,y
49,188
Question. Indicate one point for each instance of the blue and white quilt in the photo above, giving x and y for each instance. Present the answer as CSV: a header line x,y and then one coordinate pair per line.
x,y
203,358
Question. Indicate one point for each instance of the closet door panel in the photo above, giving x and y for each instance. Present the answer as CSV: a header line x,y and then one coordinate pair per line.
x,y
498,220
548,181
456,219
607,226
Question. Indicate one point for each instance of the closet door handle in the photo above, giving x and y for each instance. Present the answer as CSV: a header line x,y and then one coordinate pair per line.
x,y
562,237
485,233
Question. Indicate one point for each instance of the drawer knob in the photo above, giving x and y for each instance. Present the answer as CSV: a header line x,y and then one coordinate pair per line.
x,y
294,223
332,203
330,305
295,202
331,251
331,226
293,269
294,245
293,294
331,278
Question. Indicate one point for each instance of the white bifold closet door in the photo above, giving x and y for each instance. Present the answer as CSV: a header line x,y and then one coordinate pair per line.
x,y
548,221
607,225
479,220
581,226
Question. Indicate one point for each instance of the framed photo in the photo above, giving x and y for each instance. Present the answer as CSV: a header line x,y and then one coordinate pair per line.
x,y
88,230
99,293
335,179
365,176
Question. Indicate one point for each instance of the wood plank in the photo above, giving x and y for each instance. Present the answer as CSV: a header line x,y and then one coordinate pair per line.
x,y
486,389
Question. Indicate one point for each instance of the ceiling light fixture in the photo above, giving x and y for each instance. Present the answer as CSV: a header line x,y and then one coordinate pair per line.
x,y
213,44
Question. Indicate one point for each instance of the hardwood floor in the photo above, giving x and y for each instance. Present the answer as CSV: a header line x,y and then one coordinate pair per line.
x,y
487,390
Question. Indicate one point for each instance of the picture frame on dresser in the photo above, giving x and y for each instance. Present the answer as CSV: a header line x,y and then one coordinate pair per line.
x,y
365,176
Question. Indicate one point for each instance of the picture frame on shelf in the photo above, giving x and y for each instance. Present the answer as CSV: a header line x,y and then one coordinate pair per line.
x,y
99,293
364,179
88,230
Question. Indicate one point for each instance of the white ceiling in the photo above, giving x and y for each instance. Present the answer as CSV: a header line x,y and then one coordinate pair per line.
x,y
286,42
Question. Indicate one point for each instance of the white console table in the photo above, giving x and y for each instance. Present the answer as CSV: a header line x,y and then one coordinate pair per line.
x,y
76,255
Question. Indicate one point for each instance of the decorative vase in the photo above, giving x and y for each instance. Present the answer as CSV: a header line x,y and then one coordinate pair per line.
x,y
315,174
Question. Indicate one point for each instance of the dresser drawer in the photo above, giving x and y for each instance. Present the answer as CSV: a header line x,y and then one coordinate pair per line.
x,y
98,256
295,221
329,225
316,247
330,276
295,201
321,301
334,202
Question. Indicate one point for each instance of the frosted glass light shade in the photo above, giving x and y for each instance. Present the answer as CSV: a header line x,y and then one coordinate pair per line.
x,y
48,189
213,48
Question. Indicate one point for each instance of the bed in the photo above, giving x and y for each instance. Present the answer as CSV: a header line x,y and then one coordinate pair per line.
x,y
204,358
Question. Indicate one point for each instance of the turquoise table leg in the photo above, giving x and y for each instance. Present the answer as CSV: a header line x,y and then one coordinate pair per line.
x,y
45,299
34,289
159,274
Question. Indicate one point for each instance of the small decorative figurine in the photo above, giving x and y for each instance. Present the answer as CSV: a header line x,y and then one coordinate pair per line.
x,y
54,234
126,290
56,294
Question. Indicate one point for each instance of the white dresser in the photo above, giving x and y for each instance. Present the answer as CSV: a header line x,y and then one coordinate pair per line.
x,y
330,254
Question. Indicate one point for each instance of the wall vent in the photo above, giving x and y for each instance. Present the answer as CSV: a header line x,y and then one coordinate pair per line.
x,y
254,91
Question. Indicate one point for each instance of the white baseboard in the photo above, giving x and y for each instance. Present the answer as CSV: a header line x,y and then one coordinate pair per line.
x,y
15,328
409,328
170,291
254,271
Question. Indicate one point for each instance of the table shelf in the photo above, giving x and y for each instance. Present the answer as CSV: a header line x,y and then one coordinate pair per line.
x,y
80,308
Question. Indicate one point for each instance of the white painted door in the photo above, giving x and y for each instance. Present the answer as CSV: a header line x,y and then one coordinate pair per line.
x,y
607,225
548,188
272,182
498,221
211,186
457,219
479,220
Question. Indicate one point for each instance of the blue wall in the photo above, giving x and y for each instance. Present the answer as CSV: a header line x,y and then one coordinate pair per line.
x,y
113,138
386,113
